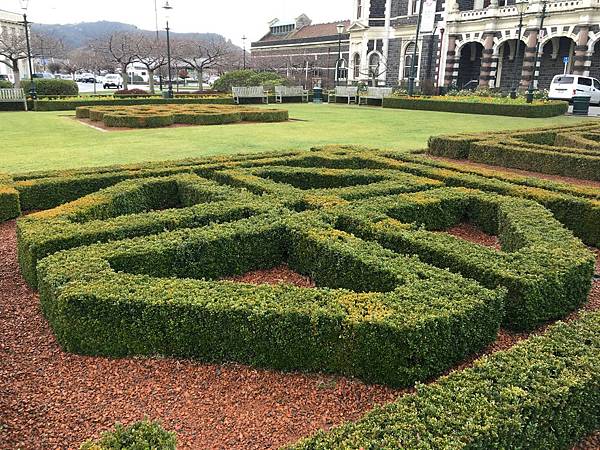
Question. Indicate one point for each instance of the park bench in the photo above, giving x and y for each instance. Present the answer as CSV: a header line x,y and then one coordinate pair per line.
x,y
250,92
13,96
351,92
282,92
374,93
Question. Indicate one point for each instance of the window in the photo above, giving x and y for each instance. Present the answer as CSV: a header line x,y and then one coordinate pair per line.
x,y
564,80
409,53
597,84
374,65
584,81
414,7
359,9
356,64
342,70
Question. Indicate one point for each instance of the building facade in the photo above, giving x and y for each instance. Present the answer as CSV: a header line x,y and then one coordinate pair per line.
x,y
467,42
12,23
306,52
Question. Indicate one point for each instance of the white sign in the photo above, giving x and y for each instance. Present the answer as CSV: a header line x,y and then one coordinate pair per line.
x,y
428,16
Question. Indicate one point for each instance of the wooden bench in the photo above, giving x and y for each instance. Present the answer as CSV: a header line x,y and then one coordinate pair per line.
x,y
375,93
282,92
250,92
351,92
13,96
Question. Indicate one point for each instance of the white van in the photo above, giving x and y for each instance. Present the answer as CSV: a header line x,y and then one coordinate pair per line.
x,y
565,87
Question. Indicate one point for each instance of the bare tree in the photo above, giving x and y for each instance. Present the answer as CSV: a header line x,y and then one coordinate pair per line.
x,y
203,55
13,47
122,49
151,53
76,60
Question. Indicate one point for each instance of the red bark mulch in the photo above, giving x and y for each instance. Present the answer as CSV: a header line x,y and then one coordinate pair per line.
x,y
50,399
471,233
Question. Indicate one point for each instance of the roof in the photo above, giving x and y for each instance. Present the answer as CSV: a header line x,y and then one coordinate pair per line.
x,y
307,32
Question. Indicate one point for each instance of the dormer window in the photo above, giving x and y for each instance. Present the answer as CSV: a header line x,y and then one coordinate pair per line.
x,y
282,29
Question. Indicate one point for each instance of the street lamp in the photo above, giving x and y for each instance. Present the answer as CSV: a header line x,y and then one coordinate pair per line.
x,y
340,30
529,95
24,6
168,8
413,63
244,40
521,8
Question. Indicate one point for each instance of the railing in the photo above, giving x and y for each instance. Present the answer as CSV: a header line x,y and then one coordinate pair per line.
x,y
511,10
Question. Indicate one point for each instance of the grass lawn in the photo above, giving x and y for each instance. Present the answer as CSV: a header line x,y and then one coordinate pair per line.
x,y
34,141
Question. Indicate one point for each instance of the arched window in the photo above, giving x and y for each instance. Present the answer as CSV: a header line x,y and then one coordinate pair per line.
x,y
374,65
341,70
408,60
359,9
356,63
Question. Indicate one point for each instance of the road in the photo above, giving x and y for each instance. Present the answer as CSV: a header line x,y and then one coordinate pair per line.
x,y
87,88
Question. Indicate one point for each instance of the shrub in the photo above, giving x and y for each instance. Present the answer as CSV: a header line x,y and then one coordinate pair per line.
x,y
479,105
72,103
5,84
133,93
543,393
9,199
248,78
143,435
52,87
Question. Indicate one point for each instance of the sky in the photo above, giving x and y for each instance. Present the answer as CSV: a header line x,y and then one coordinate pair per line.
x,y
231,18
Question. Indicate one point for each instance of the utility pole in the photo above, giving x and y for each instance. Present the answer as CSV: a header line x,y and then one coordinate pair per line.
x,y
244,41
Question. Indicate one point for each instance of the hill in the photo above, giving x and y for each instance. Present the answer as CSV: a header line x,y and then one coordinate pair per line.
x,y
81,34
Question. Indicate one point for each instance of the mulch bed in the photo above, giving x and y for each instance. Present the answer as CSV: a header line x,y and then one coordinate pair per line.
x,y
559,178
50,399
471,233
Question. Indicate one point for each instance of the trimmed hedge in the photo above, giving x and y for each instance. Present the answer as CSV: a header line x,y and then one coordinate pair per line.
x,y
143,435
541,394
10,207
51,87
71,104
546,271
162,116
450,104
404,320
544,151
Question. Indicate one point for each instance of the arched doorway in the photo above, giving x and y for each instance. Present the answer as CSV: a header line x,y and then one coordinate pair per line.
x,y
469,66
508,61
552,62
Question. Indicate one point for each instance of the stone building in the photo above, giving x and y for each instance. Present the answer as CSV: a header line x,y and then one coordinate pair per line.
x,y
466,41
304,51
12,23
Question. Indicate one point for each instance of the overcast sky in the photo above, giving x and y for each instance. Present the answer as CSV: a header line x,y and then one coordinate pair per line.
x,y
231,18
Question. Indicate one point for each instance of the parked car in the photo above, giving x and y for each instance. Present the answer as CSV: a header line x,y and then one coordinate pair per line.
x,y
471,85
86,78
4,77
113,81
43,75
565,87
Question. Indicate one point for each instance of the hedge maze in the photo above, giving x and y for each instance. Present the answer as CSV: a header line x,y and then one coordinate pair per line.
x,y
156,116
131,260
570,151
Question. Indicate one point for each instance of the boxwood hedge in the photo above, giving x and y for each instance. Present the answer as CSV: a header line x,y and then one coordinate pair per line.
x,y
541,394
9,199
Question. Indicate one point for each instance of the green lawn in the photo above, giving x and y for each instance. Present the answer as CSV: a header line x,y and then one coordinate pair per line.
x,y
33,141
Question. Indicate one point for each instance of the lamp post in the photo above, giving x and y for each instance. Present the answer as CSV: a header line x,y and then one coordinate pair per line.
x,y
24,6
244,41
413,63
521,8
340,31
529,95
168,8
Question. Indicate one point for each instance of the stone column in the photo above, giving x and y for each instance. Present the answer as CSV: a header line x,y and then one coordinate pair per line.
x,y
450,72
579,66
528,69
486,60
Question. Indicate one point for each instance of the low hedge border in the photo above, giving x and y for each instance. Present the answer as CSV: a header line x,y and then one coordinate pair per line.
x,y
542,393
540,151
404,321
68,104
546,271
447,104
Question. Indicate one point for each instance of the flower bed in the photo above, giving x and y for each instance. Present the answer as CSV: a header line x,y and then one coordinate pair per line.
x,y
164,116
480,105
